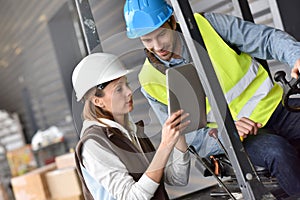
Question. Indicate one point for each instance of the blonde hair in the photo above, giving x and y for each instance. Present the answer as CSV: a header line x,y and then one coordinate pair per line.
x,y
90,110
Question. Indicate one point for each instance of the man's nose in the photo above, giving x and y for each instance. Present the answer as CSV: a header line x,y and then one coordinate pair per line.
x,y
157,45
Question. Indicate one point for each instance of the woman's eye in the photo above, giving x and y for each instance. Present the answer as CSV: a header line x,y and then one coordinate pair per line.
x,y
118,89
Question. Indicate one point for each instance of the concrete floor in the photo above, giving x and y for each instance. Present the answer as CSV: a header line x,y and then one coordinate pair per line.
x,y
203,188
212,192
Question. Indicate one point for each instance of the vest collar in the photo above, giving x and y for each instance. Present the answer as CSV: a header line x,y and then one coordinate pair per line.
x,y
128,134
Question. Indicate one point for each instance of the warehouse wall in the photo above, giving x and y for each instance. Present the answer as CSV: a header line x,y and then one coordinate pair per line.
x,y
30,77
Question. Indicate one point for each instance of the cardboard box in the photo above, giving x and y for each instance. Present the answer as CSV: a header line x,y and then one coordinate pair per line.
x,y
63,183
21,160
33,185
66,160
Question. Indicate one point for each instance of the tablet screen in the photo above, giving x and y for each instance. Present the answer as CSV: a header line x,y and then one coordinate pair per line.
x,y
186,92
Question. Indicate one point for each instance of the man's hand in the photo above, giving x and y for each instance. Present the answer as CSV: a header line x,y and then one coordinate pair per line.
x,y
295,71
247,127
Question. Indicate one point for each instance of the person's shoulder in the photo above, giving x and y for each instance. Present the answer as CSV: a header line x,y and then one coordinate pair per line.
x,y
99,136
212,14
95,131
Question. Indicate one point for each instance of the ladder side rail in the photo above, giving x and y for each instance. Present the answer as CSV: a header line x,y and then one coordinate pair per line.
x,y
250,186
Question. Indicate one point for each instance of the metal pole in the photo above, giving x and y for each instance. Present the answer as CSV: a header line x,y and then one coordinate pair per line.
x,y
244,9
88,26
92,44
251,188
203,162
276,14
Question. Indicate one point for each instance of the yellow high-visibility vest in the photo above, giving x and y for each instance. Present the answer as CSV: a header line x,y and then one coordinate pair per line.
x,y
245,83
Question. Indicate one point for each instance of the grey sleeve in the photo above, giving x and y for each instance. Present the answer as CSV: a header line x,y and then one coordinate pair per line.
x,y
257,40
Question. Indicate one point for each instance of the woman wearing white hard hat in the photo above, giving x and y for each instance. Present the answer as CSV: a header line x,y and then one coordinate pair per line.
x,y
114,157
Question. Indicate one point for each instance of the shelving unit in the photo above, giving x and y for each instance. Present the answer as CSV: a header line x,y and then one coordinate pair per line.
x,y
11,137
11,133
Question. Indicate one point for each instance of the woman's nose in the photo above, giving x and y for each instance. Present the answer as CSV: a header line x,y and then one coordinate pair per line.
x,y
129,91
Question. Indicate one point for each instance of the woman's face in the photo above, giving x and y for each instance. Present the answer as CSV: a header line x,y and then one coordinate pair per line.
x,y
117,97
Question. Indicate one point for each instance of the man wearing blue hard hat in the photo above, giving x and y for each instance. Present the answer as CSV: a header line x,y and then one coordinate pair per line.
x,y
253,99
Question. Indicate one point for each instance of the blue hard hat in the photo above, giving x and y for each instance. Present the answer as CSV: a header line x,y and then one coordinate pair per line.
x,y
144,16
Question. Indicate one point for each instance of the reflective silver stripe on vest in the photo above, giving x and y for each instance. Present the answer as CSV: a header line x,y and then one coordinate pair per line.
x,y
261,92
210,117
239,87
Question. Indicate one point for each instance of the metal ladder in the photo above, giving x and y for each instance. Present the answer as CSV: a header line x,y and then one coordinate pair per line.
x,y
249,184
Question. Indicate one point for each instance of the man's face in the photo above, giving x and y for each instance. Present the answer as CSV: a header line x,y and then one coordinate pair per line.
x,y
161,42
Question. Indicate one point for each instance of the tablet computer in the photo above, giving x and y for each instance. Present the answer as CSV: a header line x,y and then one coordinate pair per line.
x,y
185,92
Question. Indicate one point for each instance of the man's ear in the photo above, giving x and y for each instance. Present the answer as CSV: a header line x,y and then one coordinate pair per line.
x,y
98,102
173,23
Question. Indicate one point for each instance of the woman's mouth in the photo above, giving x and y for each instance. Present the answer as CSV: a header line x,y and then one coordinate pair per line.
x,y
130,102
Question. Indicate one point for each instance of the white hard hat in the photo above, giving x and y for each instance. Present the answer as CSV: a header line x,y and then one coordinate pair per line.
x,y
95,69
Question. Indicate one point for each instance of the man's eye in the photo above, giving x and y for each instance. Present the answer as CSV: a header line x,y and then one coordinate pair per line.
x,y
147,40
162,34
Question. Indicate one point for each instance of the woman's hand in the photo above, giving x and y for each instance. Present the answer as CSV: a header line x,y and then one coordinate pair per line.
x,y
171,136
172,128
247,127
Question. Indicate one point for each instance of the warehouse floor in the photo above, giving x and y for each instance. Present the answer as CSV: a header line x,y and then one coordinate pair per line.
x,y
217,193
207,188
206,195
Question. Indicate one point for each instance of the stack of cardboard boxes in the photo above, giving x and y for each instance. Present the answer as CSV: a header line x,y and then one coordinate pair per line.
x,y
63,183
21,160
56,181
12,139
32,185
